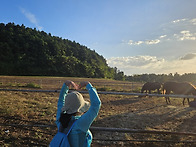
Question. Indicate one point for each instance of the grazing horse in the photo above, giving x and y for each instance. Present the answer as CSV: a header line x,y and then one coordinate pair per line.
x,y
183,88
151,86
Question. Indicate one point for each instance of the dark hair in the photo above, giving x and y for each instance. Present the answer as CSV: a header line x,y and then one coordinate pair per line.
x,y
64,119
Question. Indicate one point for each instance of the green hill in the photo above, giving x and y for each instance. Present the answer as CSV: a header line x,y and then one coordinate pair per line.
x,y
27,51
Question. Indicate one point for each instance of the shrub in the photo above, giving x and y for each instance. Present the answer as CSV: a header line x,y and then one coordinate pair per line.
x,y
32,85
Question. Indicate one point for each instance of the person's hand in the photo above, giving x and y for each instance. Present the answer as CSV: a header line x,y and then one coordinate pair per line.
x,y
71,84
83,84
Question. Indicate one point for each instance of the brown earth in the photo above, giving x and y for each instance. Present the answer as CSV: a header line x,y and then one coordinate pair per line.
x,y
117,111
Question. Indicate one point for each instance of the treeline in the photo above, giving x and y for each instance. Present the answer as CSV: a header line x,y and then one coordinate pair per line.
x,y
27,51
187,77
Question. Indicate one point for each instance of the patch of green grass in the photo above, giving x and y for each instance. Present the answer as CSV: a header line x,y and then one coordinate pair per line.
x,y
11,84
103,89
32,85
136,90
27,85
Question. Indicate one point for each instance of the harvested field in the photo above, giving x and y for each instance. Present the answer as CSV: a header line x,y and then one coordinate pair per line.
x,y
117,111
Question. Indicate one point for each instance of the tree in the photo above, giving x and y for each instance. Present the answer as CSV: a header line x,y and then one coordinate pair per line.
x,y
26,51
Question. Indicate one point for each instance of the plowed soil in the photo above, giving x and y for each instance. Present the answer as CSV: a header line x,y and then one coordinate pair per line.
x,y
20,110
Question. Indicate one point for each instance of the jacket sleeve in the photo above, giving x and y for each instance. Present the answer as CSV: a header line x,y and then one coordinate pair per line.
x,y
85,121
61,101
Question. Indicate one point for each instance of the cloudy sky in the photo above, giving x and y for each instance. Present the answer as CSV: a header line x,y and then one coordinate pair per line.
x,y
136,36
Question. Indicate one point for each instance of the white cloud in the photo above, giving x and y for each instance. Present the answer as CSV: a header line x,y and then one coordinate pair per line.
x,y
182,29
138,42
179,20
135,64
177,38
193,21
148,42
31,17
163,36
173,31
152,64
130,42
152,41
134,61
185,35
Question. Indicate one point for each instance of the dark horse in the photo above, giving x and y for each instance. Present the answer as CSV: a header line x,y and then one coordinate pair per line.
x,y
183,88
151,86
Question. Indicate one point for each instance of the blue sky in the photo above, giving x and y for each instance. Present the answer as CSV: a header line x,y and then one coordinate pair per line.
x,y
136,36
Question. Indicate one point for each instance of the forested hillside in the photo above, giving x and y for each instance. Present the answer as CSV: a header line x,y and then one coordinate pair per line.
x,y
27,51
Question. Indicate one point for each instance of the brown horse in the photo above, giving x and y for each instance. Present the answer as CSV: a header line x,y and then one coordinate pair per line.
x,y
183,88
151,86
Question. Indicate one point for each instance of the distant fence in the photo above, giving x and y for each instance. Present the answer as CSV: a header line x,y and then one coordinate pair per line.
x,y
106,129
107,92
123,130
58,83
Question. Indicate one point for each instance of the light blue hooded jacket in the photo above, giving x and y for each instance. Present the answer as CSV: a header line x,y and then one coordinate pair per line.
x,y
80,135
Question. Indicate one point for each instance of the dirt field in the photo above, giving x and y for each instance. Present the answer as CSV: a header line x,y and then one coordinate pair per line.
x,y
117,111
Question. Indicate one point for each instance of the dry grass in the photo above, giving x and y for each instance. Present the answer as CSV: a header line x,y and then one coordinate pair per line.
x,y
117,111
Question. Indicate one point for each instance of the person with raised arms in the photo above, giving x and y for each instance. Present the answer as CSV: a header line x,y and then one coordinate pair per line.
x,y
75,115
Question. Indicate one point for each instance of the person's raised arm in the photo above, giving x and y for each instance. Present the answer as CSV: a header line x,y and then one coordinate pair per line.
x,y
64,90
83,84
87,118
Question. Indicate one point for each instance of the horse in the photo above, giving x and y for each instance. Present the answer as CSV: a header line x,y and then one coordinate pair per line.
x,y
151,86
183,88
